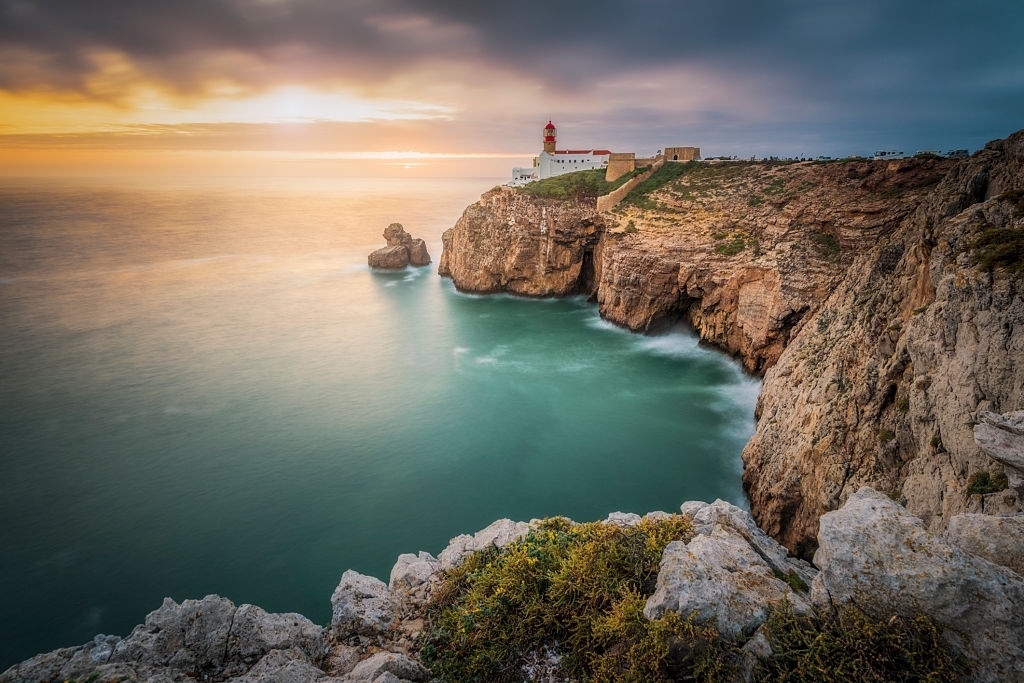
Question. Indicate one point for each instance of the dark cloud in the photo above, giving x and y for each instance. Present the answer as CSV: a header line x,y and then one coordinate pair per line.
x,y
799,69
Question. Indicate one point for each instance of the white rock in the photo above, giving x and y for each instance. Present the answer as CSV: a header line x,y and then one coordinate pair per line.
x,y
727,572
255,632
399,665
361,605
623,519
997,539
282,666
498,534
411,571
876,554
719,576
191,636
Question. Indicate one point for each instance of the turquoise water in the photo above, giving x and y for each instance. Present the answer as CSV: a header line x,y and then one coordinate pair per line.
x,y
205,390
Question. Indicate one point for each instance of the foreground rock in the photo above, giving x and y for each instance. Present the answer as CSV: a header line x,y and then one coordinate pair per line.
x,y
402,250
872,553
731,572
875,554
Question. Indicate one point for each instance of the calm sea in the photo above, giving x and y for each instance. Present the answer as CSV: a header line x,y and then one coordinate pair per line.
x,y
204,389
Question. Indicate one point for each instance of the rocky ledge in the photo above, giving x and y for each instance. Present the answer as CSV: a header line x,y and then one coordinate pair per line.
x,y
871,553
880,300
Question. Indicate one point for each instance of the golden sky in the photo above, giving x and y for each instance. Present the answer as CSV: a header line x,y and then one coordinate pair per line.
x,y
326,84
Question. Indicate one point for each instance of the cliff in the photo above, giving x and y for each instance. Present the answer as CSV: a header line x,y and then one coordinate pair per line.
x,y
852,286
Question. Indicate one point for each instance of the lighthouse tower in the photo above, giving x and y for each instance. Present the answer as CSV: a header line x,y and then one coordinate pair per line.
x,y
549,138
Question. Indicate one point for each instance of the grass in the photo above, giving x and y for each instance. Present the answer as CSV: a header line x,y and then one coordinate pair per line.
x,y
853,647
578,590
826,245
580,185
985,482
1000,248
732,247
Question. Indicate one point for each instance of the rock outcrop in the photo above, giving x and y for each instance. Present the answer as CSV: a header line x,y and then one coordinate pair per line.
x,y
872,553
853,286
402,250
731,572
875,554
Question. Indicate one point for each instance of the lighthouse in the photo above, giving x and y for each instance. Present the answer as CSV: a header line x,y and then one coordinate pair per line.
x,y
549,138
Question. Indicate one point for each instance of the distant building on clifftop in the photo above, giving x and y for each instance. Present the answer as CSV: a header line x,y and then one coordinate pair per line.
x,y
553,162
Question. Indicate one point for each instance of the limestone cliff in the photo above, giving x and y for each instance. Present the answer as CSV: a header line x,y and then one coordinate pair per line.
x,y
850,285
884,384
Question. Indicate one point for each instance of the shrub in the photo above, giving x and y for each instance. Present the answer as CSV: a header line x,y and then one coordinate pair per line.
x,y
630,228
853,647
1000,248
885,435
576,590
732,247
985,482
827,245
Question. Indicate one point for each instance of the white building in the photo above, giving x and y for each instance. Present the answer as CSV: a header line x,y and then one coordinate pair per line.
x,y
554,162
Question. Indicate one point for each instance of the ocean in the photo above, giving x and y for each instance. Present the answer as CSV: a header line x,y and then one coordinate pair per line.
x,y
204,389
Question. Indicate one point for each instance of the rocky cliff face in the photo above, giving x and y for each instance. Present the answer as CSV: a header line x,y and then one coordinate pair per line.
x,y
850,285
884,384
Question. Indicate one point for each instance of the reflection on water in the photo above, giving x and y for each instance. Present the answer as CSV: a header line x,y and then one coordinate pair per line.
x,y
205,390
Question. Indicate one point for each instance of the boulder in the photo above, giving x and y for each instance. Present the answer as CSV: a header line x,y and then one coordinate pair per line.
x,y
418,254
874,553
282,666
497,534
393,258
254,633
402,250
396,235
1001,437
623,519
400,666
361,605
412,571
191,636
997,539
730,572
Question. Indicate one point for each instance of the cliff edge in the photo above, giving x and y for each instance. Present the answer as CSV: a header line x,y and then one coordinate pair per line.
x,y
880,300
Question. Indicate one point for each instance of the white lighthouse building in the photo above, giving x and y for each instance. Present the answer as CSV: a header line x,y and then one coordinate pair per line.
x,y
554,162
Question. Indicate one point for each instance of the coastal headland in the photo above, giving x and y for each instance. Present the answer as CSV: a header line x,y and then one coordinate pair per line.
x,y
880,301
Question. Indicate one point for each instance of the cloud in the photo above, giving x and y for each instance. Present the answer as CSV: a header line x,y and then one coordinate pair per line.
x,y
737,72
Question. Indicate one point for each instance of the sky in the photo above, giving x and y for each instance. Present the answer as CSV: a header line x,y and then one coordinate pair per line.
x,y
416,84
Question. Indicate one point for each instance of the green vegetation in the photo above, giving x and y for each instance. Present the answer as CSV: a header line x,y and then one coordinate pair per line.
x,y
578,590
1000,248
755,200
732,247
630,228
826,245
694,171
853,648
578,185
792,579
885,435
985,482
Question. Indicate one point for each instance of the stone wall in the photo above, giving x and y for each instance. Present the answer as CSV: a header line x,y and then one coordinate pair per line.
x,y
607,202
619,164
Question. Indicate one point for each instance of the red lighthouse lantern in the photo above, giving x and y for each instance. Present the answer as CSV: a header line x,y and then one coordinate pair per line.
x,y
549,138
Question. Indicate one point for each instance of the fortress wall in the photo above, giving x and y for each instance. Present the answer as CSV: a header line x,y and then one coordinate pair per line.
x,y
608,201
619,164
682,153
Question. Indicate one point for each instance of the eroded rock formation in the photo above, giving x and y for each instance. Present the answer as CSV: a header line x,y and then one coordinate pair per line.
x,y
402,250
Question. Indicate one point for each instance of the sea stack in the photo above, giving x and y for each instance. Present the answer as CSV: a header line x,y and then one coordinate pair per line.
x,y
402,250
